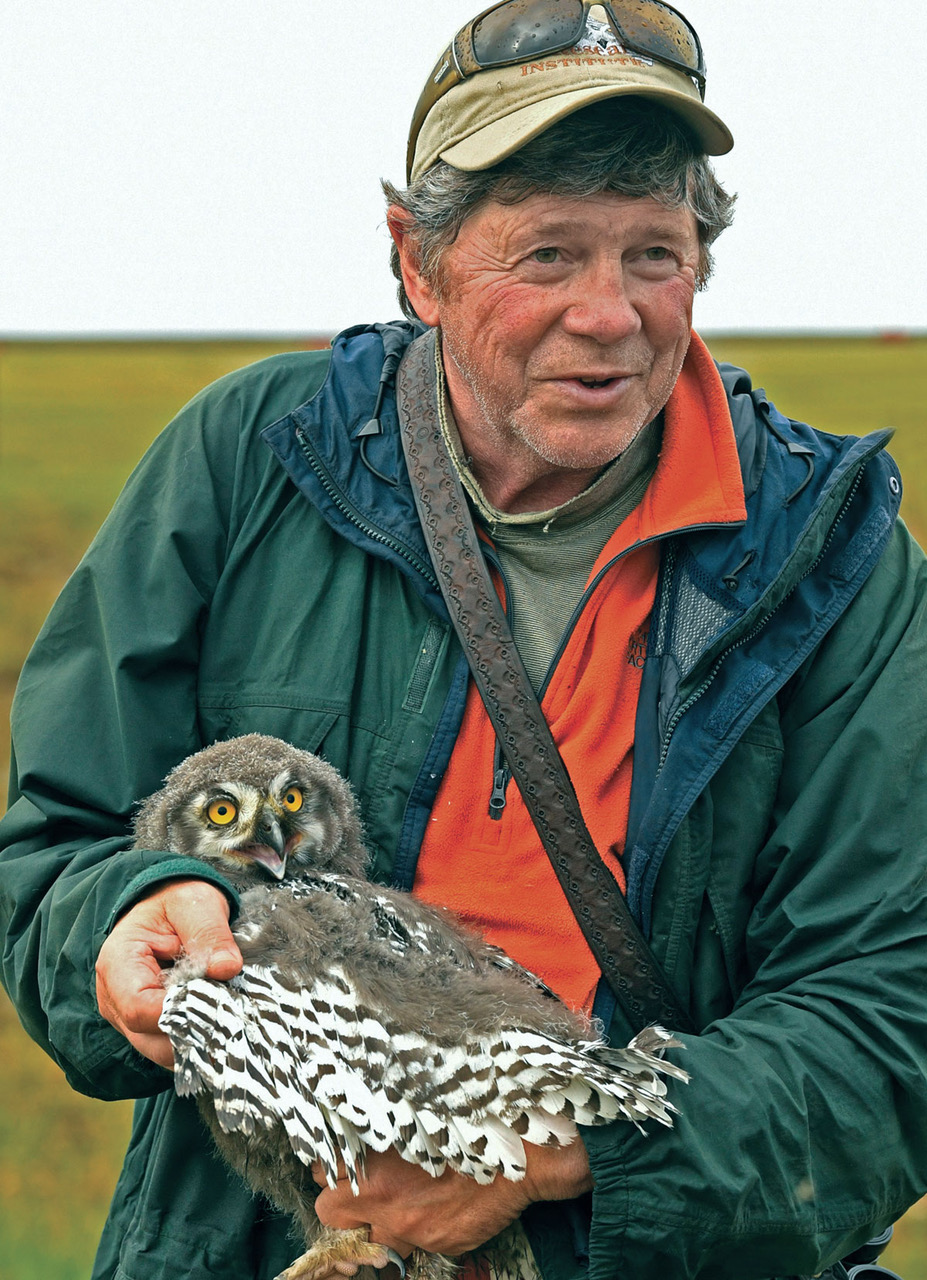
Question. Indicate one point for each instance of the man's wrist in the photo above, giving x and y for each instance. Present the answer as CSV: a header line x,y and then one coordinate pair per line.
x,y
558,1173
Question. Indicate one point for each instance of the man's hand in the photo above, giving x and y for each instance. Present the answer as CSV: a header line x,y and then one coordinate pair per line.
x,y
185,916
407,1208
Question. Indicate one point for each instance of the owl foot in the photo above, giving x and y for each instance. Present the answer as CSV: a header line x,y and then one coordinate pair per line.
x,y
341,1253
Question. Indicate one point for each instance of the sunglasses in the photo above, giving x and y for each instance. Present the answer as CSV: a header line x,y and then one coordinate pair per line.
x,y
516,31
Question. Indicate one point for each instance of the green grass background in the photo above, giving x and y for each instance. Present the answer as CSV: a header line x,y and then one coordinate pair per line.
x,y
74,419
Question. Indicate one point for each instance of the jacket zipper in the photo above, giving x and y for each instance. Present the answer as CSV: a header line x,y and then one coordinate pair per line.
x,y
501,777
587,594
350,512
501,774
755,630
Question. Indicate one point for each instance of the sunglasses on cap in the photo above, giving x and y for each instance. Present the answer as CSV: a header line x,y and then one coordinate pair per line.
x,y
516,31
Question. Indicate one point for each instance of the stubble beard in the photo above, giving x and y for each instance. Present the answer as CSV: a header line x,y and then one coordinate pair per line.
x,y
504,424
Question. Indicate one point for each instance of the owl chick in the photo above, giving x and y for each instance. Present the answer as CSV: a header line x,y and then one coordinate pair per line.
x,y
363,1019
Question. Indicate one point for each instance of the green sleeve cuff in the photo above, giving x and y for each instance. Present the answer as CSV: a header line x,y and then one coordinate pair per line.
x,y
171,868
611,1196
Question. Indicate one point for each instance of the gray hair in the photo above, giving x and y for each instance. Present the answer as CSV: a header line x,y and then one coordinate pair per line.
x,y
628,146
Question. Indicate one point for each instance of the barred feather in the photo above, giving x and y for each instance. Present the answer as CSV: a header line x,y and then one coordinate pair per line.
x,y
316,1060
364,1020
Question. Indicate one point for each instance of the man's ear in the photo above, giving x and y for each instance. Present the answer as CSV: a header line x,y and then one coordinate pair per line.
x,y
419,291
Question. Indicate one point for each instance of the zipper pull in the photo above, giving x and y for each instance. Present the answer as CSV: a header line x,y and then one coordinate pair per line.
x,y
500,780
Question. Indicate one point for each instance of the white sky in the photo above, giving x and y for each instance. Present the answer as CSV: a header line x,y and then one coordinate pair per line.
x,y
213,165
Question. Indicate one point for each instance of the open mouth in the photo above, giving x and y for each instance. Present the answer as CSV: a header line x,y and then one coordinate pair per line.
x,y
273,862
589,387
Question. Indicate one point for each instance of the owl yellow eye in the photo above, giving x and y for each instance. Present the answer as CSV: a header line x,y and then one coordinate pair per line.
x,y
293,799
222,812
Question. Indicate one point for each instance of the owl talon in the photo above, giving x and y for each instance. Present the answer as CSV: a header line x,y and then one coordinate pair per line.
x,y
397,1262
340,1252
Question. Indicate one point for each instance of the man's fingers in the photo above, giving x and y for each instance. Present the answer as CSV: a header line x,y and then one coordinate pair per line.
x,y
135,1011
184,917
199,916
157,1048
340,1210
404,1207
224,962
129,996
129,990
318,1173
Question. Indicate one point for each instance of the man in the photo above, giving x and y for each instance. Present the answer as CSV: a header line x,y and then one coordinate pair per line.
x,y
755,786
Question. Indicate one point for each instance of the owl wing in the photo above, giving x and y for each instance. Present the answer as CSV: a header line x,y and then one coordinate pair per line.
x,y
340,1077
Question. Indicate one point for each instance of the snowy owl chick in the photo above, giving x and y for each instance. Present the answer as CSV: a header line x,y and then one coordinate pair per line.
x,y
364,1019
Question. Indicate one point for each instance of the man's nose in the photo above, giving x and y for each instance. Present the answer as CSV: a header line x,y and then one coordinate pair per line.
x,y
601,307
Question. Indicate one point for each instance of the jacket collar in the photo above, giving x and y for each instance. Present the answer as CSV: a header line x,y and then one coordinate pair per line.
x,y
342,450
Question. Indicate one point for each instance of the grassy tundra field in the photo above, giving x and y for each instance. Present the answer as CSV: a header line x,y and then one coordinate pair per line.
x,y
74,418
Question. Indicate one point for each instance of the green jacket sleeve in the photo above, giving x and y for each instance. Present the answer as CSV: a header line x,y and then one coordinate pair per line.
x,y
106,705
804,1128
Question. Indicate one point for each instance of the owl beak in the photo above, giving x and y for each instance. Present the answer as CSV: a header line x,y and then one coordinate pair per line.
x,y
271,851
272,862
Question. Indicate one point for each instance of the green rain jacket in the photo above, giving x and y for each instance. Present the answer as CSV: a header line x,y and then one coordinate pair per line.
x,y
264,571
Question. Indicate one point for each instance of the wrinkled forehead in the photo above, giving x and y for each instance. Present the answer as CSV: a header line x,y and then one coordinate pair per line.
x,y
603,217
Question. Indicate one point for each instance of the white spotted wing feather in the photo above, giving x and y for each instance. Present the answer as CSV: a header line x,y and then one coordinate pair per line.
x,y
300,1047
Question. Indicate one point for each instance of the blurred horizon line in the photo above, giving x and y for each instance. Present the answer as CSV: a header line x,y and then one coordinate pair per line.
x,y
319,338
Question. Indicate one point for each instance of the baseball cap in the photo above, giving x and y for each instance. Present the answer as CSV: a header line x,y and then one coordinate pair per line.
x,y
642,48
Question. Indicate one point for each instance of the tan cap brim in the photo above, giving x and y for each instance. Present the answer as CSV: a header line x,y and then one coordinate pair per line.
x,y
490,115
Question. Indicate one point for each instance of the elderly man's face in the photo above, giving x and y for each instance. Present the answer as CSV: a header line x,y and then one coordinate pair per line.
x,y
565,323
